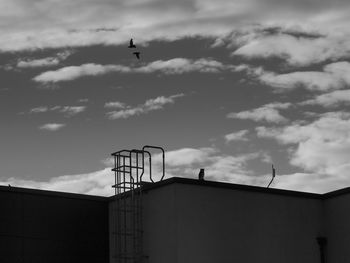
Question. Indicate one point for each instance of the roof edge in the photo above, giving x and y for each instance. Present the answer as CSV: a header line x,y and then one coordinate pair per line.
x,y
52,193
182,180
224,185
337,193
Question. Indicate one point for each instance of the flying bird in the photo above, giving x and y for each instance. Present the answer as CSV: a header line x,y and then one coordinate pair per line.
x,y
137,54
131,45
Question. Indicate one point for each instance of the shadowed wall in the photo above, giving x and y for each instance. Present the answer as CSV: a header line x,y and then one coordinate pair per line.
x,y
48,227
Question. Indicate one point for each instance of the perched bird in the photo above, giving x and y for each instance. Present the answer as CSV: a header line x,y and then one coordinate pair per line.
x,y
9,185
201,174
131,45
137,54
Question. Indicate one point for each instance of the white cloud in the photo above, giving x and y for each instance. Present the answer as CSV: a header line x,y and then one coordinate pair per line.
x,y
95,183
74,72
150,105
331,99
267,113
52,126
334,76
69,111
311,182
39,109
182,65
237,136
172,66
44,62
321,147
115,104
296,50
72,110
184,162
151,19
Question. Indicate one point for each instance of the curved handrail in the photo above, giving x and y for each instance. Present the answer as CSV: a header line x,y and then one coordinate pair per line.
x,y
163,154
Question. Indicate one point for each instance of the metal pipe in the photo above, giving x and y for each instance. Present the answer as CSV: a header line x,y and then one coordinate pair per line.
x,y
163,155
322,243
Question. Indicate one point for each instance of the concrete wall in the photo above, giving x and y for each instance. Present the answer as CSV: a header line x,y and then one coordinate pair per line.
x,y
225,226
337,214
44,227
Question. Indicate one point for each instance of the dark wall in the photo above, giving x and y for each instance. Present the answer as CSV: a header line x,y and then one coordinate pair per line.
x,y
224,225
159,225
337,214
46,227
192,223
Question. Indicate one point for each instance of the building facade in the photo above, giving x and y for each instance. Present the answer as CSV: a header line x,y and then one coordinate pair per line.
x,y
182,221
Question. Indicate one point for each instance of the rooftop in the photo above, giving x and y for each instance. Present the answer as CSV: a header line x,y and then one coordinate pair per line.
x,y
179,180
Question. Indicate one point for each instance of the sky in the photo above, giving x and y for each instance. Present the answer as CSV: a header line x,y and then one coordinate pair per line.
x,y
232,86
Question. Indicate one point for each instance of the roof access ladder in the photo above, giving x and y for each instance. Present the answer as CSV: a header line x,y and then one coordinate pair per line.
x,y
129,170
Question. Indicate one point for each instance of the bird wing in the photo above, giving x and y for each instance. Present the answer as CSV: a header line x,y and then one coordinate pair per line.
x,y
131,42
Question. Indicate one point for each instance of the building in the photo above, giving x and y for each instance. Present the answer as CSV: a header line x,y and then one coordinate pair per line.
x,y
183,221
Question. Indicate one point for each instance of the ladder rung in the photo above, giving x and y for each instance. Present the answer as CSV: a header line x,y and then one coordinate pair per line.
x,y
122,171
128,167
126,185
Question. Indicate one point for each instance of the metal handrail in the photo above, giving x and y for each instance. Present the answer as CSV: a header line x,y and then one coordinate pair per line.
x,y
163,155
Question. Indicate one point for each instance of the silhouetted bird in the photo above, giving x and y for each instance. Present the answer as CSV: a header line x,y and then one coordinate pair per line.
x,y
137,54
201,174
131,45
9,185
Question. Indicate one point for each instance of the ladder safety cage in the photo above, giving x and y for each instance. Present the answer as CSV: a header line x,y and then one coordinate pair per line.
x,y
129,171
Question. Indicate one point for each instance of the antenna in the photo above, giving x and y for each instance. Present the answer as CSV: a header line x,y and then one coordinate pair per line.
x,y
273,176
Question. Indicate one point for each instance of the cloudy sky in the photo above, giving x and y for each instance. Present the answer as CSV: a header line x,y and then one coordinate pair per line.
x,y
231,86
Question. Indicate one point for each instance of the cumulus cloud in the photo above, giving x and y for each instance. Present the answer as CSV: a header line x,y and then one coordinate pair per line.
x,y
52,126
150,20
296,50
311,182
184,162
150,105
44,62
39,109
172,66
237,136
334,76
94,183
74,72
115,104
183,65
72,110
268,113
331,99
69,111
321,147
